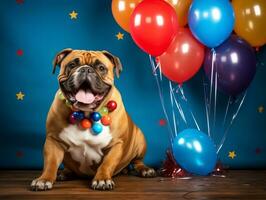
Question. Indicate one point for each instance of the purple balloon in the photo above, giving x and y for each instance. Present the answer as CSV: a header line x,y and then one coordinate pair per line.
x,y
235,64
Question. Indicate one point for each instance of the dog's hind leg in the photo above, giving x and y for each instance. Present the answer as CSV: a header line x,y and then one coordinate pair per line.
x,y
138,165
143,170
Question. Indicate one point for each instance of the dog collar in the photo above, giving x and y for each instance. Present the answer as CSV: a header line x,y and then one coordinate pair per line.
x,y
95,120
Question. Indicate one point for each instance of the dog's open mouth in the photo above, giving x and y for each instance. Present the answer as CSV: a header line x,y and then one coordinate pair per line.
x,y
85,98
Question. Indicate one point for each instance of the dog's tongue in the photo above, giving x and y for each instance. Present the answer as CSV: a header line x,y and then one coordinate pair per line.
x,y
85,97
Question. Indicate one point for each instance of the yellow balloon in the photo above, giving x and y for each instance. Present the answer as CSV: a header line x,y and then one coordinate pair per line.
x,y
122,10
250,20
181,8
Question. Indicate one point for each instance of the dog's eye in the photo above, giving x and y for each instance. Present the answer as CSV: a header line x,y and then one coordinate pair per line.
x,y
101,68
72,65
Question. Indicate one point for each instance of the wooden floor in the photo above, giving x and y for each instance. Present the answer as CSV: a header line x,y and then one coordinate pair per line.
x,y
236,185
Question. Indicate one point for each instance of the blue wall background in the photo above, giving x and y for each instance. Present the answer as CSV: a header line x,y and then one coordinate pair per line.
x,y
42,28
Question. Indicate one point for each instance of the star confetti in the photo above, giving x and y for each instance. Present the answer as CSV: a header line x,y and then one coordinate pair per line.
x,y
73,15
20,1
120,36
261,109
258,150
19,154
232,154
162,122
20,96
19,52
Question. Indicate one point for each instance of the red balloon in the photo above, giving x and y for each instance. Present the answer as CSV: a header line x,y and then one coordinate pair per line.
x,y
153,25
183,58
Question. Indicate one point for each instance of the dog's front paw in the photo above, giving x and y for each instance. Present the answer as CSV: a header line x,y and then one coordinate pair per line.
x,y
147,172
103,184
41,185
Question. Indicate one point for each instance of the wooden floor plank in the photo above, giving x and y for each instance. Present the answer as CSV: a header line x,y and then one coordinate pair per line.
x,y
241,184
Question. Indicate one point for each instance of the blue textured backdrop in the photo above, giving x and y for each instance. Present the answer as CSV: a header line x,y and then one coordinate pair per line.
x,y
32,32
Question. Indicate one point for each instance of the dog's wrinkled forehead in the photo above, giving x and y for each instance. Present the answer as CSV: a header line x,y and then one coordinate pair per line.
x,y
86,58
83,57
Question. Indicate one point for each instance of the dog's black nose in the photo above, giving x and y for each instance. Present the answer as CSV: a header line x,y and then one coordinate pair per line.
x,y
86,70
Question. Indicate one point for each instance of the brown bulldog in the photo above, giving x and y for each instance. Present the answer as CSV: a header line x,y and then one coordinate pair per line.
x,y
86,81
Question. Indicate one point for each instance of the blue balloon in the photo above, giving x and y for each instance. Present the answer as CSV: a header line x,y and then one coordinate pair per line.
x,y
194,151
211,21
97,128
95,116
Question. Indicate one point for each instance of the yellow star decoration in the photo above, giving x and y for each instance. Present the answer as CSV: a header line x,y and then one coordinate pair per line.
x,y
20,96
73,15
261,109
120,36
232,154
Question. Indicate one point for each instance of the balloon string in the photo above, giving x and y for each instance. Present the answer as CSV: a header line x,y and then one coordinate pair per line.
x,y
179,108
155,68
206,107
212,70
235,115
190,110
182,92
160,71
172,107
226,111
215,98
195,121
162,99
231,122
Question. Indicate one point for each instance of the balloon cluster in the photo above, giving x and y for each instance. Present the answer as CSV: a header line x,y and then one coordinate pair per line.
x,y
158,27
96,120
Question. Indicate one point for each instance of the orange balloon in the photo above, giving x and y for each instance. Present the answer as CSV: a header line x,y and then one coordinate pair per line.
x,y
122,10
250,20
181,8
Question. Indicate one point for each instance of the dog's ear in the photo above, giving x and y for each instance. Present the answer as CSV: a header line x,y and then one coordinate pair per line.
x,y
115,60
59,57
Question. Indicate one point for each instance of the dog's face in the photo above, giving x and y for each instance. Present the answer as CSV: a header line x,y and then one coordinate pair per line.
x,y
86,77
